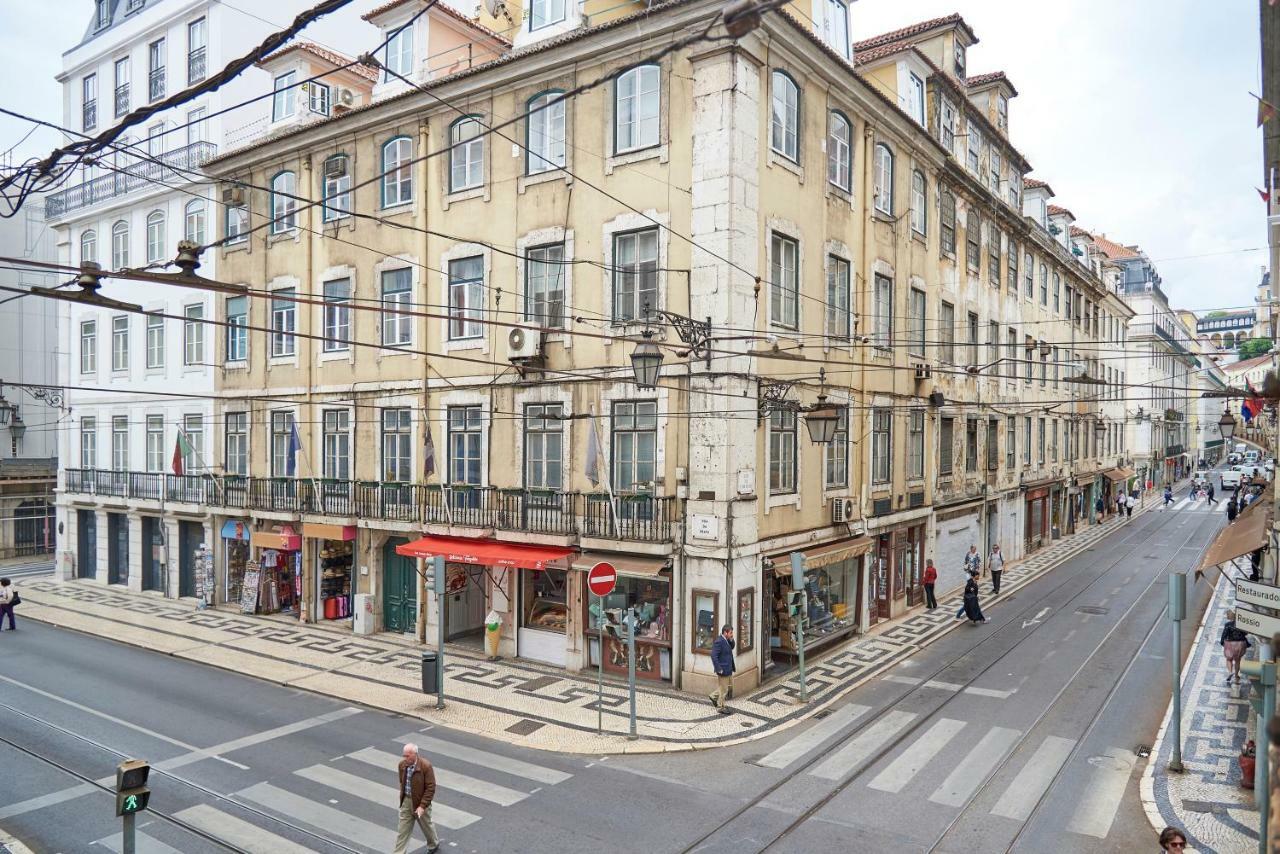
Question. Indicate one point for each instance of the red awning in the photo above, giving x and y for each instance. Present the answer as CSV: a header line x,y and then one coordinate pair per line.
x,y
484,552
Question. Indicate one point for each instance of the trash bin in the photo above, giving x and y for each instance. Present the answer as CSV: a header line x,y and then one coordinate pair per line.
x,y
430,671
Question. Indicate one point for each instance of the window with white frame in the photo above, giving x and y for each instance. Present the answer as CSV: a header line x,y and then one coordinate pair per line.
x,y
838,288
196,43
284,97
89,102
784,123
1015,187
123,99
635,274
399,53
156,60
466,297
1044,285
88,246
915,444
543,446
544,285
836,27
995,170
915,97
284,205
319,97
120,343
947,126
102,14
1010,442
971,445
397,293
882,311
835,454
193,335
1026,446
194,221
120,245
155,237
155,139
972,325
784,282
235,458
881,444
281,440
337,188
1029,276
974,147
839,151
88,443
466,154
397,172
120,443
972,241
88,346
336,444
884,179
193,429
782,451
546,131
960,61
916,312
236,224
544,13
336,318
636,108
634,442
155,341
197,129
466,444
155,443
284,314
919,203
237,329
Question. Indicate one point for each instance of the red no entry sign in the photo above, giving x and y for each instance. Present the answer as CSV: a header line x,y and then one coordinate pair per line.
x,y
601,579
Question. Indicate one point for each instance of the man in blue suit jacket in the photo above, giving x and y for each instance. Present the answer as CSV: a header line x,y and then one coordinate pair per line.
x,y
722,661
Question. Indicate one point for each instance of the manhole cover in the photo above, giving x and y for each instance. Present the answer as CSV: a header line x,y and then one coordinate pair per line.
x,y
1096,610
524,727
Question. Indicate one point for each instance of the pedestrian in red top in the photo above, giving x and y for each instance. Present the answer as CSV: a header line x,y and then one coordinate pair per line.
x,y
930,579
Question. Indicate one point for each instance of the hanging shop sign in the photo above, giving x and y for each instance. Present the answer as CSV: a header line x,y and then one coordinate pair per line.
x,y
249,587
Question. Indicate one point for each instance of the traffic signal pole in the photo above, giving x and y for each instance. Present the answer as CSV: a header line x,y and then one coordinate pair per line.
x,y
799,611
128,843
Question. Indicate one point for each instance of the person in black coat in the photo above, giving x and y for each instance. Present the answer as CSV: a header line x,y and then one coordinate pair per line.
x,y
971,608
1232,509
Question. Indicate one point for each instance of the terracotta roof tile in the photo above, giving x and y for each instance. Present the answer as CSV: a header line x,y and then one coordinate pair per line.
x,y
1056,210
975,80
913,30
1033,183
1239,367
866,57
1107,247
441,7
330,56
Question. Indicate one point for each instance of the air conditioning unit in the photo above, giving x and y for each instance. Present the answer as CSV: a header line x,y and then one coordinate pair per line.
x,y
233,196
346,97
923,371
335,167
843,510
523,344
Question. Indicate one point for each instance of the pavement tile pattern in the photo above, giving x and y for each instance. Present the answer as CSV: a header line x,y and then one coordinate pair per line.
x,y
556,710
1206,800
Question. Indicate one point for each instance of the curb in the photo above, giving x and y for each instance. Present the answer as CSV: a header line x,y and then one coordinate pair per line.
x,y
647,746
12,845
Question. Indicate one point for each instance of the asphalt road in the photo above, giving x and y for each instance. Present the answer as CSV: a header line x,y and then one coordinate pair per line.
x,y
1020,734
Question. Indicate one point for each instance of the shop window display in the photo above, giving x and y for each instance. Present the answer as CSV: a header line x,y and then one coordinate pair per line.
x,y
651,598
831,595
335,558
706,619
237,555
280,580
545,605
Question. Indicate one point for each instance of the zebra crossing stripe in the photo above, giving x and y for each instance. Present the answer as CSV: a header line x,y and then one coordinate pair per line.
x,y
380,793
340,823
815,735
447,780
144,844
1097,808
240,833
1029,786
434,746
965,778
863,745
900,771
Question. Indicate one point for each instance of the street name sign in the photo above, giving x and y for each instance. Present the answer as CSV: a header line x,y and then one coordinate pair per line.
x,y
1257,624
1258,594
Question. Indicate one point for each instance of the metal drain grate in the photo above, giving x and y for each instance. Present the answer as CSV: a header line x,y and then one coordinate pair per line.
x,y
1096,610
822,714
1143,751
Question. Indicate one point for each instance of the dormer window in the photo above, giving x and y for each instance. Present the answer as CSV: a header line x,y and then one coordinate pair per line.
x,y
1002,112
915,97
947,126
836,27
283,102
960,61
399,53
544,13
102,14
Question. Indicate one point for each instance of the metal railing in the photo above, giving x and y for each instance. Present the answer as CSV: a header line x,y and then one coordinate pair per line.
x,y
155,84
628,516
89,115
122,100
146,173
195,66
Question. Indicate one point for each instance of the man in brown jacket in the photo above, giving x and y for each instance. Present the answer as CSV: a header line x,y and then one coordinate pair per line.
x,y
417,791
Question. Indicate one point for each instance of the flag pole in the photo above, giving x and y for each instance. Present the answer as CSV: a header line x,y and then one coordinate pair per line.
x,y
608,483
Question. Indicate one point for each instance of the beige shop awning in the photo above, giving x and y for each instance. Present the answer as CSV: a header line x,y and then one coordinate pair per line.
x,y
633,566
1246,534
824,555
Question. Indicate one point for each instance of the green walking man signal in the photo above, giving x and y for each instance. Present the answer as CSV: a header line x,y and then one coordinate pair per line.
x,y
795,606
132,794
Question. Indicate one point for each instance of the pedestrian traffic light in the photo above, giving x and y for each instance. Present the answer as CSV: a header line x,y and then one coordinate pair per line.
x,y
795,604
132,794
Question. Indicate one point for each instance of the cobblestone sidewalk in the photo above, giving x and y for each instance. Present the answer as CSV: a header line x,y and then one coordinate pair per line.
x,y
1206,800
514,701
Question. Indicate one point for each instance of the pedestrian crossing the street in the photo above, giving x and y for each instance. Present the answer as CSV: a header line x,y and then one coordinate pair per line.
x,y
946,761
1199,505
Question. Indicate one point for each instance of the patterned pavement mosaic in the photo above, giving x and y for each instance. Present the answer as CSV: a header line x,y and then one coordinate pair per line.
x,y
1206,800
547,707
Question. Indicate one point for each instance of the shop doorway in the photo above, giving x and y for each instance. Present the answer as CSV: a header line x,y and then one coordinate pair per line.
x,y
31,528
190,538
399,589
464,611
882,592
117,548
152,554
86,544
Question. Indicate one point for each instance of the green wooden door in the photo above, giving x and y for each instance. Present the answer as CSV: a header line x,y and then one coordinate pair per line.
x,y
399,589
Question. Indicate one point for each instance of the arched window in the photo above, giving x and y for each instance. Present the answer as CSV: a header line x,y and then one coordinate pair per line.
x,y
88,246
546,132
919,203
193,221
784,123
636,106
397,173
284,207
884,179
120,245
466,157
155,236
839,151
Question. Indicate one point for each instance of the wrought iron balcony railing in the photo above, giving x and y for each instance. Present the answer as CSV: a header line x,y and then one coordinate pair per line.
x,y
195,66
122,100
155,84
172,166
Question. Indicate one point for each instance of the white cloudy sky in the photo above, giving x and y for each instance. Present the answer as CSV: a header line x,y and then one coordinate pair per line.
x,y
1136,111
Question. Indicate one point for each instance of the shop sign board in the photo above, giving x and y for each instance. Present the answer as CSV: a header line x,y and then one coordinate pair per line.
x,y
704,526
601,578
249,587
1257,594
1257,624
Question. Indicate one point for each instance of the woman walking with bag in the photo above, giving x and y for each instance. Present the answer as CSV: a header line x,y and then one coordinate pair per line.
x,y
8,598
1234,643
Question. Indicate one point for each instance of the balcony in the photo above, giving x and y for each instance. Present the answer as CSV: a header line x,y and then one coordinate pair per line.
x,y
170,167
627,516
89,115
155,84
195,66
122,100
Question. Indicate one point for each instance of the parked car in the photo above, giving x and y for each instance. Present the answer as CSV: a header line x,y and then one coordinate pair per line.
x,y
1231,478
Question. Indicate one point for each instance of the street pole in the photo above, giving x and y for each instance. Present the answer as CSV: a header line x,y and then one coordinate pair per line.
x,y
128,845
631,667
600,621
798,587
1262,697
441,603
1177,613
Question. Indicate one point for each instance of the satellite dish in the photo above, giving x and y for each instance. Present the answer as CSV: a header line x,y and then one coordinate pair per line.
x,y
495,7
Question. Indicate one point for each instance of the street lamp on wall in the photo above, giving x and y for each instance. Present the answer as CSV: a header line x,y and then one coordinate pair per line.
x,y
822,420
646,362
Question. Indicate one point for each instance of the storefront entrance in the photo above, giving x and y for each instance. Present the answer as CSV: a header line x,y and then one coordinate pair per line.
x,y
334,550
1037,519
464,612
544,615
86,544
190,538
152,553
235,557
645,584
399,589
832,581
117,548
